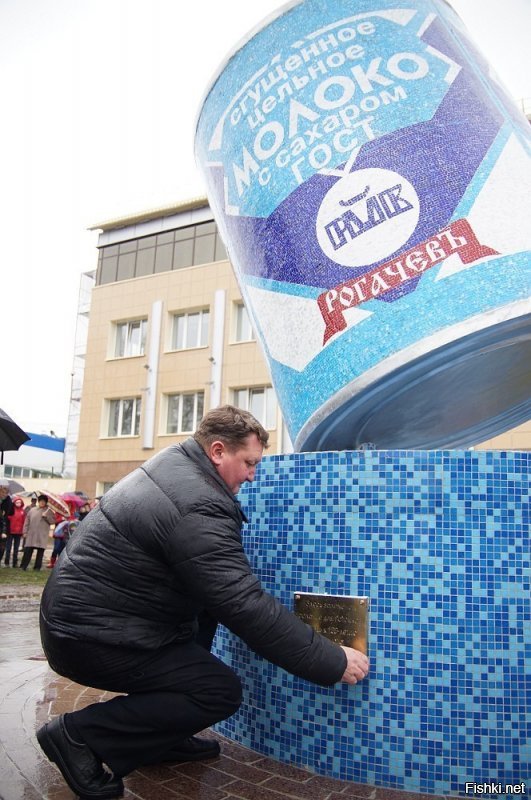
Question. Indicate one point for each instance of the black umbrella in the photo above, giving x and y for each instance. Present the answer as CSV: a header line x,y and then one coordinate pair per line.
x,y
11,436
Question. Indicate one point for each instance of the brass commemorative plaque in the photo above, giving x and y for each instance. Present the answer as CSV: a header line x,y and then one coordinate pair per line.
x,y
342,619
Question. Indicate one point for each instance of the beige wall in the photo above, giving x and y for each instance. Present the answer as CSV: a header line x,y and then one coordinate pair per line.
x,y
54,485
101,459
516,439
91,475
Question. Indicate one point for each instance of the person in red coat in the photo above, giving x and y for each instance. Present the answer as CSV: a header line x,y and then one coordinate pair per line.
x,y
16,526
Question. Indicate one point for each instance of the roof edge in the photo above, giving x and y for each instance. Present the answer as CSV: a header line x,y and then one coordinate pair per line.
x,y
153,213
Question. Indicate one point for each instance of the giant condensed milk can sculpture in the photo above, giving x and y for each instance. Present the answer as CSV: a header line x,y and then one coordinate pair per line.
x,y
371,178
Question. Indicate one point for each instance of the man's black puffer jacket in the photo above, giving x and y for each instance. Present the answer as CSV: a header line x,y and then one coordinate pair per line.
x,y
163,545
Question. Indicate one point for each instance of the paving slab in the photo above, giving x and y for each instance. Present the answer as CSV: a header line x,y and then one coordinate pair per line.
x,y
32,694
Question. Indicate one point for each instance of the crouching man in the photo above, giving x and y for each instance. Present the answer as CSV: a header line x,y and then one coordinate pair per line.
x,y
133,603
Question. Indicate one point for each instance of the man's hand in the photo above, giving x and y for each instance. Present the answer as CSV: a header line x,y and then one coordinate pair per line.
x,y
357,665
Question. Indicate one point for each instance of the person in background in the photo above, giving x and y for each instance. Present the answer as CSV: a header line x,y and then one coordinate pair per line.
x,y
37,531
27,509
33,504
133,603
6,508
83,511
61,535
16,526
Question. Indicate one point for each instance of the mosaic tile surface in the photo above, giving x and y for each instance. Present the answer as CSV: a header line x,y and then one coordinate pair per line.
x,y
440,542
356,157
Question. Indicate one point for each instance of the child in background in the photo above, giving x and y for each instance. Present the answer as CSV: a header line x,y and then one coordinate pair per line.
x,y
61,535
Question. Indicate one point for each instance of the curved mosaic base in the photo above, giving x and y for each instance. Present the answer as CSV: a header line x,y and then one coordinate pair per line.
x,y
440,543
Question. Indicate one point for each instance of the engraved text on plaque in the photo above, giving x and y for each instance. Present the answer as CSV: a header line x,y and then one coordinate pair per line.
x,y
342,619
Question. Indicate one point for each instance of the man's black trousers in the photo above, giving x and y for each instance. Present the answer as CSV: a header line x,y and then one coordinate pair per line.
x,y
169,694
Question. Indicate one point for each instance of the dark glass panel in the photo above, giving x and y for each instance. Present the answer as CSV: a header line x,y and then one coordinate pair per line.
x,y
185,233
221,253
187,418
204,249
147,241
126,266
183,254
205,228
163,257
108,269
145,262
165,238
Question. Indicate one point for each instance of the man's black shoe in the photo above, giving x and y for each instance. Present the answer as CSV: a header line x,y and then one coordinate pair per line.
x,y
80,768
193,749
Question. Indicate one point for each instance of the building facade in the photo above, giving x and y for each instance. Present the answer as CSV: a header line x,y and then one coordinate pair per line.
x,y
40,457
86,285
167,339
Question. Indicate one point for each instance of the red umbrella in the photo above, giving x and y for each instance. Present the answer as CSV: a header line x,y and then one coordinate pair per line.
x,y
56,503
76,500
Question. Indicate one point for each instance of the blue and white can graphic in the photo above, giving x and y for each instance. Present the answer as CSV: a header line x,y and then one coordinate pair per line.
x,y
372,181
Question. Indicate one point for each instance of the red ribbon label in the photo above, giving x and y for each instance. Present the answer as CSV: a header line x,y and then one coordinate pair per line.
x,y
456,238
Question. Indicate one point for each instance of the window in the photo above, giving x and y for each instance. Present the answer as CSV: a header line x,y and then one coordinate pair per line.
x,y
190,330
185,412
221,252
243,328
108,268
130,338
126,266
103,486
124,417
27,472
205,245
145,261
261,401
161,252
183,254
163,257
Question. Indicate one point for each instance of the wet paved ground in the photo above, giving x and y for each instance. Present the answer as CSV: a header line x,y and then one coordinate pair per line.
x,y
31,694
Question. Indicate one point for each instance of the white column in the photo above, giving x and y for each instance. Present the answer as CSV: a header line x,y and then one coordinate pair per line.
x,y
152,367
216,358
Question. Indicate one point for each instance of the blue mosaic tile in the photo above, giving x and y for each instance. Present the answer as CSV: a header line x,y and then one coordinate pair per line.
x,y
440,542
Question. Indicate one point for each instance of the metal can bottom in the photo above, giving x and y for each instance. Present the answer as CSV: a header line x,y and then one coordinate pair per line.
x,y
468,390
